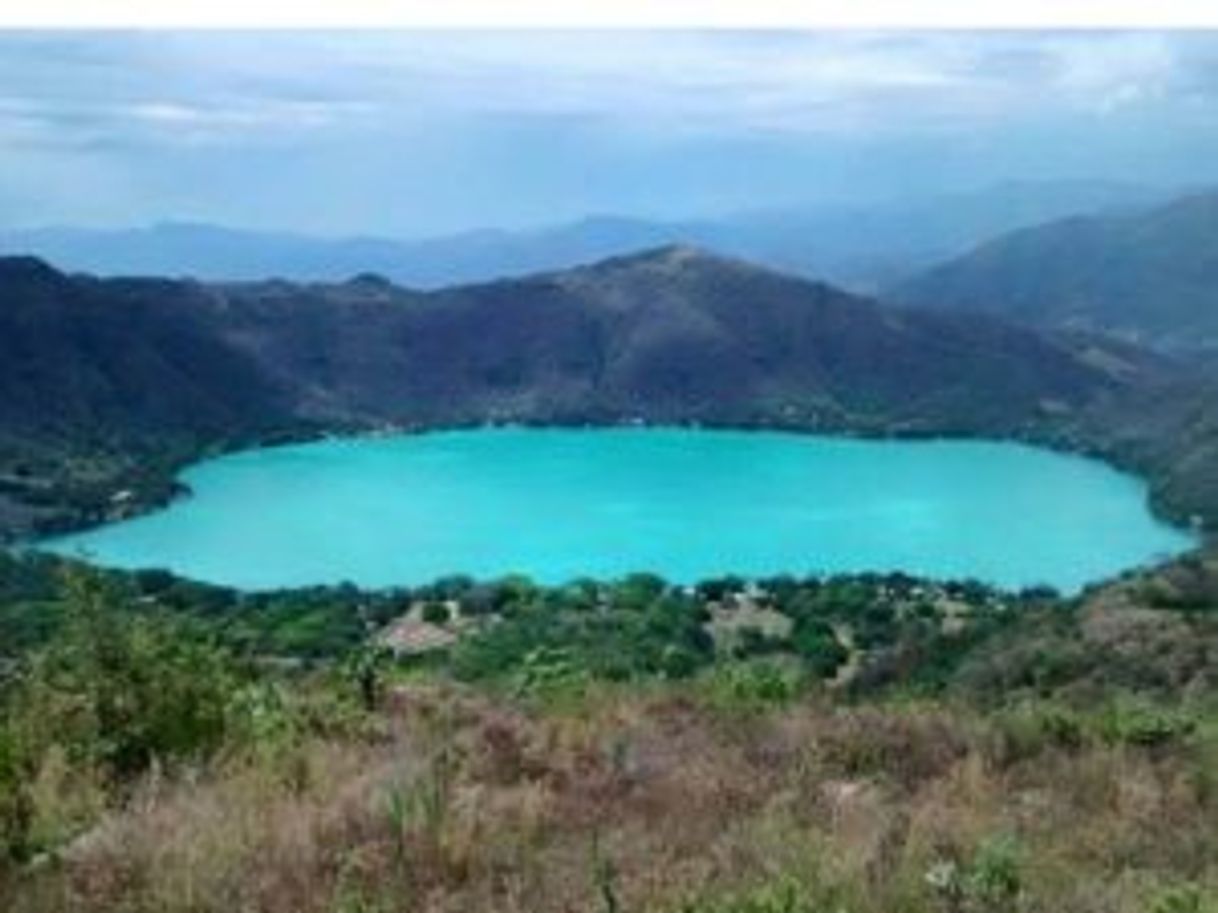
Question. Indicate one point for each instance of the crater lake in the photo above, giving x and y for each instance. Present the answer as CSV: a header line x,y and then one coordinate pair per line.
x,y
557,504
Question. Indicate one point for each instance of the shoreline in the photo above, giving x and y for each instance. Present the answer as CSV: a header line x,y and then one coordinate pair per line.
x,y
1043,439
176,489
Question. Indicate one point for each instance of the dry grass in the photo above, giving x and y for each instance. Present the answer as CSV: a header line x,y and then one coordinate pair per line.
x,y
652,802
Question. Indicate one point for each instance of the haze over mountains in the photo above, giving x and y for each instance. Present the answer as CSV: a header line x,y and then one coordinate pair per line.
x,y
1150,275
858,246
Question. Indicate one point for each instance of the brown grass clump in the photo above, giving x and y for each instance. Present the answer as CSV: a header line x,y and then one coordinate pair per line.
x,y
659,801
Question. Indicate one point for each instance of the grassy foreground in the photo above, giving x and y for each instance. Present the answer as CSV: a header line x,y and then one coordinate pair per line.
x,y
1065,759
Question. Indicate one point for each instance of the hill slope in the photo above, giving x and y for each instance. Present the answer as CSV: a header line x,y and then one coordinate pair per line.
x,y
673,334
84,356
1150,276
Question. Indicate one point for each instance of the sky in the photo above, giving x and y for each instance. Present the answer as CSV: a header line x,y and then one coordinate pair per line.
x,y
420,133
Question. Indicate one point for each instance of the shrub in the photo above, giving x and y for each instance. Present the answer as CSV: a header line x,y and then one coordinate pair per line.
x,y
909,747
112,692
1030,729
1187,898
818,646
753,641
16,811
119,689
637,591
1144,725
988,882
549,672
753,684
436,613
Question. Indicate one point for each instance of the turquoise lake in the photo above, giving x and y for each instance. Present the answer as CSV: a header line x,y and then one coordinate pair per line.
x,y
687,504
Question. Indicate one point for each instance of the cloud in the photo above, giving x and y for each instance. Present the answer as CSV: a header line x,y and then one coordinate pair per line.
x,y
429,127
212,86
1117,71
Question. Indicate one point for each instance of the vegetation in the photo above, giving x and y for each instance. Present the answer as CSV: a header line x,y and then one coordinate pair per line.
x,y
299,624
867,744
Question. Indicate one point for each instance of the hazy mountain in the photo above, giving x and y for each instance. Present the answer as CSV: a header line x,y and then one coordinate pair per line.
x,y
856,246
867,247
203,251
1151,275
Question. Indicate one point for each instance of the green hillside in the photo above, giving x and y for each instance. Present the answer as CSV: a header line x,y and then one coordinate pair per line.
x,y
1150,276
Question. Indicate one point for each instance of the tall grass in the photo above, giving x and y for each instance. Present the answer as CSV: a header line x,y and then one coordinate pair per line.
x,y
660,800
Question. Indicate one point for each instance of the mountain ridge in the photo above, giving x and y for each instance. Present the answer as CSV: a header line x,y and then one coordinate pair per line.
x,y
1149,275
859,246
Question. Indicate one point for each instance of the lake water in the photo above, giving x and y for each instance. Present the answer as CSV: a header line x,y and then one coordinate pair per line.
x,y
557,504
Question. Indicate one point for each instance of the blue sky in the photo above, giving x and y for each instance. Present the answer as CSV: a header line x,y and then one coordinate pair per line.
x,y
417,133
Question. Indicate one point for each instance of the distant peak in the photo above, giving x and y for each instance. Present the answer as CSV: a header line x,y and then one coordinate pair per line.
x,y
24,267
369,281
666,256
677,252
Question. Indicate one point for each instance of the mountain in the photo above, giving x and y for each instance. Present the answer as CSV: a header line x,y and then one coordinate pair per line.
x,y
88,357
1149,275
203,251
106,386
674,334
857,246
868,247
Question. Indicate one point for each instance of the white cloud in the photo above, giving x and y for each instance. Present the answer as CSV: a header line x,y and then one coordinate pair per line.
x,y
250,86
1116,71
412,128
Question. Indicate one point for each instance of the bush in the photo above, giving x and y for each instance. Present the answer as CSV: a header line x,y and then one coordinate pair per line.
x,y
988,882
548,673
120,689
753,641
436,613
1027,731
110,693
1144,725
1187,898
819,648
16,812
754,684
663,637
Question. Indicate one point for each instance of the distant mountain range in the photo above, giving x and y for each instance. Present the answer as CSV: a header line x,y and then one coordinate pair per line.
x,y
669,335
1150,275
859,247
